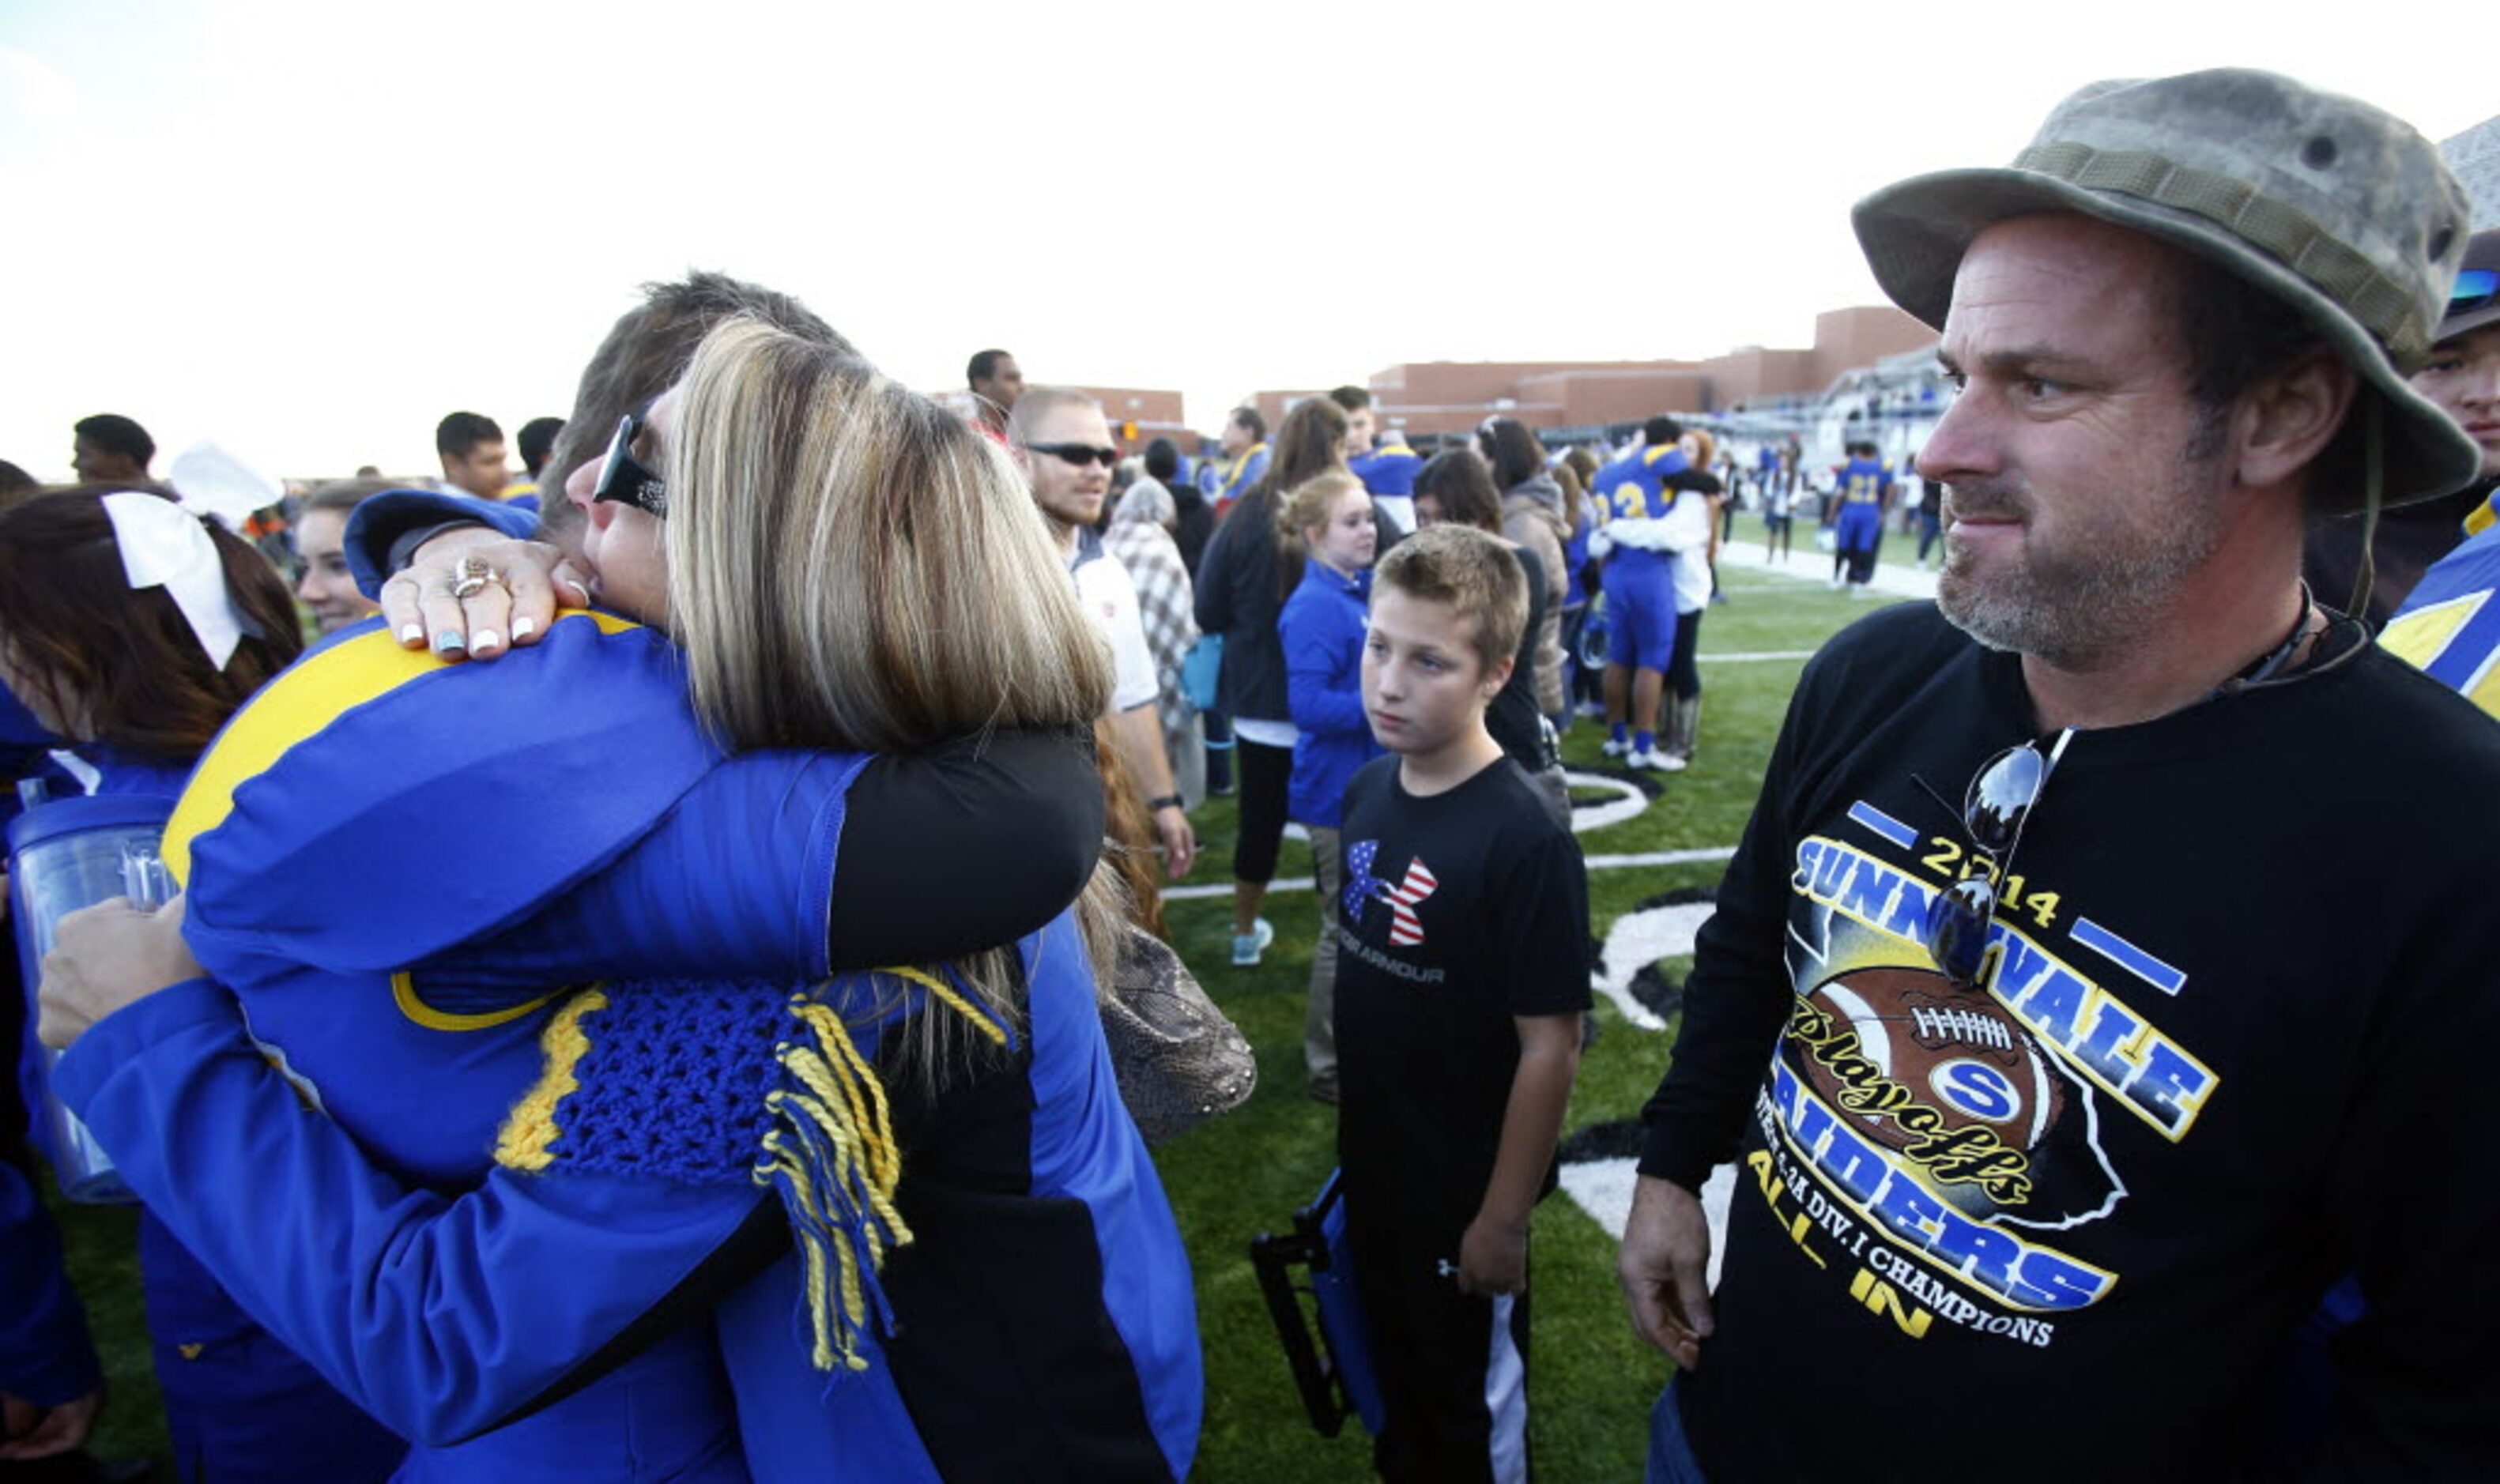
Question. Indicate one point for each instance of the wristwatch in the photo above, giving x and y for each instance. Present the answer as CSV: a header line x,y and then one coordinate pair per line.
x,y
1166,802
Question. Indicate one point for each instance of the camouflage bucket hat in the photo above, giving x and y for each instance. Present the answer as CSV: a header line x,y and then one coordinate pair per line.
x,y
2340,210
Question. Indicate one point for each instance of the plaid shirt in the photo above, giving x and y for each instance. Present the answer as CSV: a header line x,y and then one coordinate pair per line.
x,y
1166,604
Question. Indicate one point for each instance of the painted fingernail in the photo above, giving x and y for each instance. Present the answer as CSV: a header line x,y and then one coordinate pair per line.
x,y
484,639
411,634
450,642
524,627
581,594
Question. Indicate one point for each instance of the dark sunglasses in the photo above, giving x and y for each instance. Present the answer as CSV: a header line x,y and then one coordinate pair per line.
x,y
627,480
1078,454
2475,288
1995,808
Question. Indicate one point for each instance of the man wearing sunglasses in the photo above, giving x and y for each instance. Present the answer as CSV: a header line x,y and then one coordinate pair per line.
x,y
2066,1039
2450,625
1062,443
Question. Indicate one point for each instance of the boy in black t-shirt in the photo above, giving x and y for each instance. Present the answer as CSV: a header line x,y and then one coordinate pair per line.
x,y
1463,970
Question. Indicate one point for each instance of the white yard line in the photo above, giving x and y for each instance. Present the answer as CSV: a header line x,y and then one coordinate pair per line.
x,y
1808,565
1588,817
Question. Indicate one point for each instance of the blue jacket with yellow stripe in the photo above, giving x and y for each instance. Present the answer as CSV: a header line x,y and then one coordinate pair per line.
x,y
394,950
2450,623
1044,1321
397,864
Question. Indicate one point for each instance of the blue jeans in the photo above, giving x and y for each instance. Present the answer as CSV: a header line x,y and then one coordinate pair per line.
x,y
1670,1454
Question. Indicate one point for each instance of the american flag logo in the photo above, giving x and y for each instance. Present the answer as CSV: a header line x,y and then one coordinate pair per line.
x,y
1405,930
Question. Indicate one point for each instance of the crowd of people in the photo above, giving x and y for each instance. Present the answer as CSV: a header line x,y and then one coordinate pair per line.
x,y
644,995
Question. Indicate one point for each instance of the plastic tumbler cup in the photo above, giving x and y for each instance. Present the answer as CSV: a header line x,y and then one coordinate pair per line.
x,y
64,855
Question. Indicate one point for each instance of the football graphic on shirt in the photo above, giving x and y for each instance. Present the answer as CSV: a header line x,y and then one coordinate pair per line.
x,y
1939,1074
1954,1049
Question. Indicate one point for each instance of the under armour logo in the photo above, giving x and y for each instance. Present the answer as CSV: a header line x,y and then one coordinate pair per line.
x,y
1405,930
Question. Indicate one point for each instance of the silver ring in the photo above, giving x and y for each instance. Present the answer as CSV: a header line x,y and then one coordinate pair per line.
x,y
470,575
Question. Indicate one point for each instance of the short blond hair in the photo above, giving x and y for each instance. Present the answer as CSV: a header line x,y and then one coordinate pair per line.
x,y
1478,575
1038,403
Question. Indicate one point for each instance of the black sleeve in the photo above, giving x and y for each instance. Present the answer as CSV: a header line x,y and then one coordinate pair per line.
x,y
2411,1193
1212,592
1540,598
404,546
964,847
1738,995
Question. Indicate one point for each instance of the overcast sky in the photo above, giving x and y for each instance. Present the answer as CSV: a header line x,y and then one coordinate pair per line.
x,y
309,231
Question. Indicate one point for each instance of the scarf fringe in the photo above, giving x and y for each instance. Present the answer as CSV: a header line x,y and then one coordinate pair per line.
x,y
831,1155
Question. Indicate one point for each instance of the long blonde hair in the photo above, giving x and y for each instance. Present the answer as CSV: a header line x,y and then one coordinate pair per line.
x,y
851,565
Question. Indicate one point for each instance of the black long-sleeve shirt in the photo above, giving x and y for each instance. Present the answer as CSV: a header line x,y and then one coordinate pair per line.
x,y
2235,1047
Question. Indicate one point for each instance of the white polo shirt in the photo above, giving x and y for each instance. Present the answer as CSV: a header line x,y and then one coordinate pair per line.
x,y
1110,599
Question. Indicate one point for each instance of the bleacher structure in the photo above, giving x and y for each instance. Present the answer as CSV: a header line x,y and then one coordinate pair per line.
x,y
1894,402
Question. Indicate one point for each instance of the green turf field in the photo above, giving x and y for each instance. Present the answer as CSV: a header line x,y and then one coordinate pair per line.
x,y
1247,1171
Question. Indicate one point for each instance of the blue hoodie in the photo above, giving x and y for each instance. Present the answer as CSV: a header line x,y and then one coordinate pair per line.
x,y
1322,626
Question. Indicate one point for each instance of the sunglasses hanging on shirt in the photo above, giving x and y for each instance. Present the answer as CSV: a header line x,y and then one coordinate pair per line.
x,y
1995,808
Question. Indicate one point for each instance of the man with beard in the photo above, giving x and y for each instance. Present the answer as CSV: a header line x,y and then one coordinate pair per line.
x,y
2056,965
1062,443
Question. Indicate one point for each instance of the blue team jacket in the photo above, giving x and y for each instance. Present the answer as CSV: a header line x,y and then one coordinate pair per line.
x,y
1043,1320
1388,470
395,933
480,1290
2450,626
238,1404
46,1357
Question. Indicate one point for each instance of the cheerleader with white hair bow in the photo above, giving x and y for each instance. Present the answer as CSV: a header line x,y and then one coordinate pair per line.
x,y
132,628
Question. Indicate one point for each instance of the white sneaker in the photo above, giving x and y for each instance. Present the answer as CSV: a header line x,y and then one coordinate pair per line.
x,y
1655,761
1614,749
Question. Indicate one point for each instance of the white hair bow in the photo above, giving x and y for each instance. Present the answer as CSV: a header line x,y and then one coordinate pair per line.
x,y
165,545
